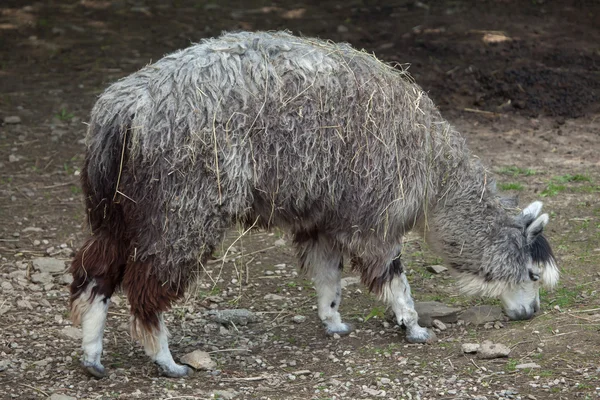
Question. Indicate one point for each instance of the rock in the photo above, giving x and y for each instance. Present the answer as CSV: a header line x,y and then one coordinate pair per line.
x,y
6,286
24,304
66,279
47,264
272,296
57,396
4,365
385,381
224,394
299,319
41,277
12,120
430,310
32,229
351,280
437,269
527,366
470,348
279,243
12,158
199,359
436,323
490,350
240,317
480,315
71,332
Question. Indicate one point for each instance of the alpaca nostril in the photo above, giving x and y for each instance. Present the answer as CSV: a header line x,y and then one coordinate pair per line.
x,y
533,276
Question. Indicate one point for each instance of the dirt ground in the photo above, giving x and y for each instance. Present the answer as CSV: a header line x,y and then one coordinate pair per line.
x,y
521,80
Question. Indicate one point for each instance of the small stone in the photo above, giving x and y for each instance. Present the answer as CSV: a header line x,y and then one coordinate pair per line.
x,y
33,229
272,296
225,394
36,242
491,350
6,286
12,120
349,281
279,243
223,331
24,304
430,310
302,372
4,365
47,264
439,324
385,381
239,317
12,158
299,319
480,315
269,273
470,348
437,269
41,277
199,359
336,336
527,366
57,396
66,279
71,332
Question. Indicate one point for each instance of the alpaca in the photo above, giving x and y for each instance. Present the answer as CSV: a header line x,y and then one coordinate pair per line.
x,y
344,152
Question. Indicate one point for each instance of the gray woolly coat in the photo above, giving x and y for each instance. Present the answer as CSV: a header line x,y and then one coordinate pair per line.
x,y
277,130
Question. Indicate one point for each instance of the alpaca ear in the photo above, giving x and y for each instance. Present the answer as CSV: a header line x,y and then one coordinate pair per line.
x,y
535,228
531,212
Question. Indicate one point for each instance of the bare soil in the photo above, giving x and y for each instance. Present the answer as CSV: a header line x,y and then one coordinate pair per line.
x,y
521,80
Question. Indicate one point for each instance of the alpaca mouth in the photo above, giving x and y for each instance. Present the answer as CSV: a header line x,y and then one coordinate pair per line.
x,y
524,312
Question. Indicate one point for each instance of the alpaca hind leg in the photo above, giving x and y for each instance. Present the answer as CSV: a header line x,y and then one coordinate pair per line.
x,y
323,261
97,270
149,299
397,294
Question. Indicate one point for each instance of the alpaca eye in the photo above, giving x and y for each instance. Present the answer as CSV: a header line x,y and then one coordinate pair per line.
x,y
533,276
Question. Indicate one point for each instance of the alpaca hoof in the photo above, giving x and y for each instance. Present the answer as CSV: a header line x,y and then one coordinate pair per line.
x,y
420,335
175,371
341,329
94,369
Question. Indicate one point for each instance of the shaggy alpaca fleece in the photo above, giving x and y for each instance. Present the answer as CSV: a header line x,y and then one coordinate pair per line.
x,y
300,133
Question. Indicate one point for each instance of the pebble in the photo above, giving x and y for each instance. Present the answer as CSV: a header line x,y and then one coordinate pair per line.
x,y
66,279
57,396
439,324
299,319
385,381
41,277
527,366
199,359
437,269
491,350
24,304
47,264
470,348
430,310
12,120
239,317
279,243
224,394
6,286
71,332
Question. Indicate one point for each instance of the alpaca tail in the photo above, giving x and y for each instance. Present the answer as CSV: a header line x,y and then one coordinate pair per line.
x,y
99,265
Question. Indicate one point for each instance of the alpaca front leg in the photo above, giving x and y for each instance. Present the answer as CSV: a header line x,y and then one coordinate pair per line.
x,y
328,285
397,295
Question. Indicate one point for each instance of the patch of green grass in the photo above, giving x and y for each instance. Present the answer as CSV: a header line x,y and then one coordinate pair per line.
x,y
511,365
552,190
76,190
572,178
510,186
376,312
563,296
516,171
64,115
